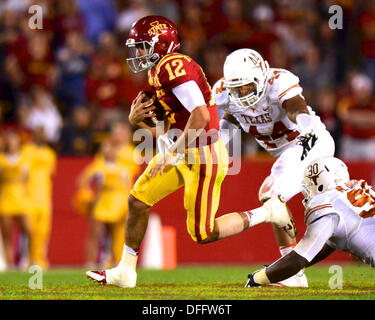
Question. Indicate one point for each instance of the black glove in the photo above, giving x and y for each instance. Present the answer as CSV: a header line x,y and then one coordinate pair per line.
x,y
307,142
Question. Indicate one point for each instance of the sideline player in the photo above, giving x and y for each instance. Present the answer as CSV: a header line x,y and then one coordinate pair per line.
x,y
182,89
337,212
268,104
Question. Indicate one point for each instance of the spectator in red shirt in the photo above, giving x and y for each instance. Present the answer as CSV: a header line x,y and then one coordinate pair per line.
x,y
34,67
357,113
105,82
191,30
237,29
326,107
69,19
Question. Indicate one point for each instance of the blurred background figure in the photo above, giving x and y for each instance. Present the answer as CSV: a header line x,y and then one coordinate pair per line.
x,y
14,204
44,113
127,155
367,37
263,35
191,30
326,108
314,73
235,29
42,168
73,61
98,16
76,135
130,11
357,113
109,204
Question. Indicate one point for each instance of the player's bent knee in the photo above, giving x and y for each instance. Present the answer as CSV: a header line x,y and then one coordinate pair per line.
x,y
136,205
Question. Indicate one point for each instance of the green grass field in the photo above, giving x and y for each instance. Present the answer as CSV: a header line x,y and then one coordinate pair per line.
x,y
188,283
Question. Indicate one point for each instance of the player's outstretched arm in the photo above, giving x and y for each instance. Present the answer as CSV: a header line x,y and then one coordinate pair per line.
x,y
298,113
228,124
281,269
324,253
294,107
310,247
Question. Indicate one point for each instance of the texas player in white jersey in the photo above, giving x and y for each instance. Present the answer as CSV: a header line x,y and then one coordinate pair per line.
x,y
268,103
339,215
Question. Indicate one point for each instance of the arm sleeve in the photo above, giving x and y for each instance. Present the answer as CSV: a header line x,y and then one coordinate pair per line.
x,y
316,236
221,97
189,94
310,245
288,86
227,130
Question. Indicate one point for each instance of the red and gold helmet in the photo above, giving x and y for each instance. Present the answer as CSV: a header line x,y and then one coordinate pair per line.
x,y
150,38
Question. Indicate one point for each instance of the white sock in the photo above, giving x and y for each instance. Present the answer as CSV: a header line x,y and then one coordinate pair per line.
x,y
257,216
129,258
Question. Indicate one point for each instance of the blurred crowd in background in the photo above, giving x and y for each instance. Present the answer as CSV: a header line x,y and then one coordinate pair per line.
x,y
72,79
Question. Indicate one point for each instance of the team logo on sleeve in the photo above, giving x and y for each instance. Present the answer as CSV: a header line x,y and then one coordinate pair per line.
x,y
157,28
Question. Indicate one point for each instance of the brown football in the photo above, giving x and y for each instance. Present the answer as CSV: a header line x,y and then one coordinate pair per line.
x,y
159,110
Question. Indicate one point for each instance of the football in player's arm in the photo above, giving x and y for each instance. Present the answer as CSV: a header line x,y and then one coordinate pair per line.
x,y
339,215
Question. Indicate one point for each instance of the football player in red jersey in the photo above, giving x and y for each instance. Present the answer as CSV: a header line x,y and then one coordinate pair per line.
x,y
197,160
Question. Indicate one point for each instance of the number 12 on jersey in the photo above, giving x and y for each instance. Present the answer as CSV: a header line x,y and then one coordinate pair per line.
x,y
175,69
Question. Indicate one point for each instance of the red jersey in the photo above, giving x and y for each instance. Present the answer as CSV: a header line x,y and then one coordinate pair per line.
x,y
175,69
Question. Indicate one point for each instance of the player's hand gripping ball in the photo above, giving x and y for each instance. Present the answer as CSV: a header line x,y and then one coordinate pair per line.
x,y
159,110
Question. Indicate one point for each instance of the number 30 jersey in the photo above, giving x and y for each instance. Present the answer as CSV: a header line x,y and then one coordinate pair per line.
x,y
354,203
267,120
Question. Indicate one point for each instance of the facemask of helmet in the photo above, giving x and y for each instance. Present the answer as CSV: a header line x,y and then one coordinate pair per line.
x,y
142,55
245,67
323,175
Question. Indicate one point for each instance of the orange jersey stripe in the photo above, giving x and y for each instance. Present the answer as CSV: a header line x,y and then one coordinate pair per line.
x,y
288,246
314,209
284,92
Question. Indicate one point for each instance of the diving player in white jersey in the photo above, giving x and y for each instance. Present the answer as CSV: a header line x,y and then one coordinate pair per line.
x,y
268,103
339,215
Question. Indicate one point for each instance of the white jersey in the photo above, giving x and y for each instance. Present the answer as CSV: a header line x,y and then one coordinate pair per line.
x,y
343,219
356,197
267,120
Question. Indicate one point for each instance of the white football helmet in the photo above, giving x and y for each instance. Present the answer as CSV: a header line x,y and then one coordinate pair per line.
x,y
243,67
322,175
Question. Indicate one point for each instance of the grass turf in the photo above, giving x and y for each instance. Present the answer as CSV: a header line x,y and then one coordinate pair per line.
x,y
189,283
